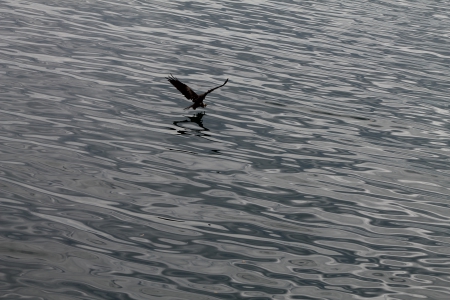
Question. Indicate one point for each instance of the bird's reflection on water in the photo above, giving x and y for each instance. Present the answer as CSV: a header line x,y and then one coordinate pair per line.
x,y
194,126
189,128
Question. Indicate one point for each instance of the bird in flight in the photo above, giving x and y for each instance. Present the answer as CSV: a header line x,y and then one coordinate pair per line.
x,y
190,94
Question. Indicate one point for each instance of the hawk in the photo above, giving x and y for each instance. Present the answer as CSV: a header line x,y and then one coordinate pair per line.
x,y
190,94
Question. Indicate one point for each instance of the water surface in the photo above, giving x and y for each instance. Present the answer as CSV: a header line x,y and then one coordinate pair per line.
x,y
320,171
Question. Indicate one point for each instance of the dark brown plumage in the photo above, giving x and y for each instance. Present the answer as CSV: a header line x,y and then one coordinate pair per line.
x,y
190,94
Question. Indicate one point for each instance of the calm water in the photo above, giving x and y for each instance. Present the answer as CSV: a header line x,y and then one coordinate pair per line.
x,y
320,171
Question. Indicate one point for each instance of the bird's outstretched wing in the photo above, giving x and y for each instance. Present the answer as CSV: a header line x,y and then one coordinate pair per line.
x,y
217,87
184,89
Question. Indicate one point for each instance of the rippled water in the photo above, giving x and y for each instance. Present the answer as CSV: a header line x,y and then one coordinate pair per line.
x,y
320,171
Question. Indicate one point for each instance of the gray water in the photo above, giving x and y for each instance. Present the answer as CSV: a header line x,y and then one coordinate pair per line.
x,y
320,171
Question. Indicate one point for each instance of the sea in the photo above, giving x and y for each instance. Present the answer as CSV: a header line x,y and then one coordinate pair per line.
x,y
320,171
